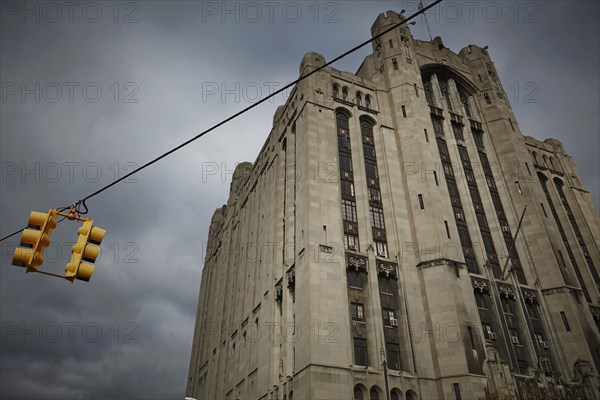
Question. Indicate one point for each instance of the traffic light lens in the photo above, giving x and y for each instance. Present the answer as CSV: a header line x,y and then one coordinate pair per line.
x,y
30,236
91,253
97,235
85,272
22,257
37,219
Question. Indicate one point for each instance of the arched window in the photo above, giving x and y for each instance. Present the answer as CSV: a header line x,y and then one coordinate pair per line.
x,y
366,127
358,392
374,394
545,160
535,159
336,91
396,394
345,93
464,100
552,163
411,395
342,120
359,99
368,102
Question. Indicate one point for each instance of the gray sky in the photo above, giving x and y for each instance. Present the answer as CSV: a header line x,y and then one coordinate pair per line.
x,y
168,70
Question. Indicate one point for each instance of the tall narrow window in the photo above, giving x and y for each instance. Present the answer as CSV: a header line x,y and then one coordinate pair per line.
x,y
446,94
347,189
376,215
533,310
351,242
438,125
389,317
426,135
368,102
544,210
381,249
403,112
514,336
391,44
480,300
428,92
518,185
374,195
395,64
357,311
458,132
386,285
421,203
447,229
336,91
478,138
345,93
464,99
358,394
359,99
393,356
349,211
488,101
456,388
344,142
471,337
345,163
565,321
360,351
354,278
371,169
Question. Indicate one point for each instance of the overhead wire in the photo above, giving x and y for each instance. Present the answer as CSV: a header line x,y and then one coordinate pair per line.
x,y
245,110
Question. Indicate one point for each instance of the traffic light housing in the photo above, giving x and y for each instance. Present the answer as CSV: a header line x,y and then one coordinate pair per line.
x,y
85,251
35,239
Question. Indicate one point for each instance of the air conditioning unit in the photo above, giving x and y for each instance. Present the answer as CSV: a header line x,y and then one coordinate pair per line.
x,y
492,336
393,322
545,345
505,229
514,339
459,217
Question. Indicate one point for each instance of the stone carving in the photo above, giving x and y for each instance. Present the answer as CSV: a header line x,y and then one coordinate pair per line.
x,y
356,262
581,370
480,285
387,269
530,295
506,291
291,278
278,291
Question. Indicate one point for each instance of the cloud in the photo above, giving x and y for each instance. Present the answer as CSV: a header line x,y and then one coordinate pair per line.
x,y
157,79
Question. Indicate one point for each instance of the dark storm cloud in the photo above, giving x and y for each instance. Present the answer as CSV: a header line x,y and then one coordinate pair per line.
x,y
154,75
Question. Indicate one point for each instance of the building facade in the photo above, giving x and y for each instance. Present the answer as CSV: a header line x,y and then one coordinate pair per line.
x,y
398,237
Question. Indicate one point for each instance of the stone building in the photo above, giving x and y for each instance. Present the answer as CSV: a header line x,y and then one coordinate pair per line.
x,y
369,252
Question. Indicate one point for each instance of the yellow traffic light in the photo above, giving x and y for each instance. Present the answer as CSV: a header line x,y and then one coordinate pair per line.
x,y
35,239
85,251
